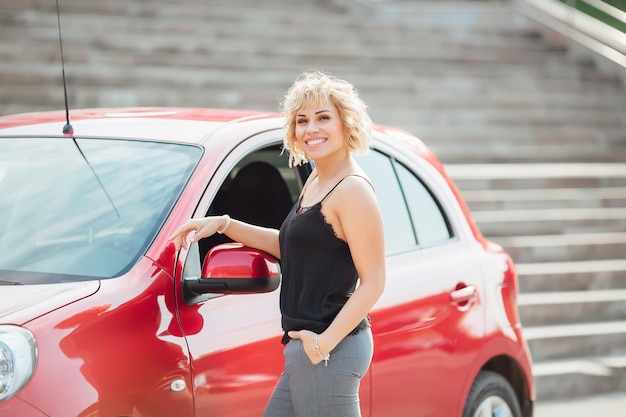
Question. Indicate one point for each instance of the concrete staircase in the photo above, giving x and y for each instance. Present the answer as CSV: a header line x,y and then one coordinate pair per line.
x,y
534,137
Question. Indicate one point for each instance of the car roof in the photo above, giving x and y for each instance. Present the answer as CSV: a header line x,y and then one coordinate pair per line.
x,y
171,124
189,125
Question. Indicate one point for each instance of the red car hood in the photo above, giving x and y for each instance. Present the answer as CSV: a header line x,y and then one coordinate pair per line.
x,y
22,303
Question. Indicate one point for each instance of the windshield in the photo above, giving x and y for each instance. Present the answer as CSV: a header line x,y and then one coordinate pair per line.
x,y
75,209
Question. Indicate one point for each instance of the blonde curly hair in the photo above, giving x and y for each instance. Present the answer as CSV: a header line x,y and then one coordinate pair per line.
x,y
309,90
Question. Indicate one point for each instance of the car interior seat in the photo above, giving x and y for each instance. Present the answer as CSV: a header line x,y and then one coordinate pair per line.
x,y
257,194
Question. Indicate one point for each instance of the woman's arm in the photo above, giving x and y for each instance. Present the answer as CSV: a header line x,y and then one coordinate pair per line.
x,y
262,238
356,218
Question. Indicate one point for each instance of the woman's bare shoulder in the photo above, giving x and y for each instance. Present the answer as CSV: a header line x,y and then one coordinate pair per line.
x,y
355,191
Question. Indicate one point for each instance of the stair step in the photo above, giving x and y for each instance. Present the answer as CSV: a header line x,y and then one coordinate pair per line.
x,y
502,199
492,18
160,10
572,276
553,154
264,52
494,223
450,15
458,92
565,247
561,308
526,177
563,240
556,268
572,118
576,340
579,377
562,137
514,171
263,28
542,215
482,70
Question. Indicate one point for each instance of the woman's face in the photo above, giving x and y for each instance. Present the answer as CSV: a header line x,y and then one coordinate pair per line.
x,y
319,130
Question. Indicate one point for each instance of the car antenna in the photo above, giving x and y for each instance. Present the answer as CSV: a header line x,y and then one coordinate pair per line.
x,y
67,129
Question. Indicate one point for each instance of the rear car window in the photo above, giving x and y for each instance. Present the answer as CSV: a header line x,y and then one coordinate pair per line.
x,y
412,216
429,220
399,233
75,209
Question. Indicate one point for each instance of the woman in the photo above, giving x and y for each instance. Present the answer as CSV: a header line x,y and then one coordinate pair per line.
x,y
332,238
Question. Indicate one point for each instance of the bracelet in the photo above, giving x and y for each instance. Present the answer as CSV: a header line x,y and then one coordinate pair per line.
x,y
223,229
324,358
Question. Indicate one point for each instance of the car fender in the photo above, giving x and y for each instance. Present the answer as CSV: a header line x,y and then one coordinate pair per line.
x,y
497,347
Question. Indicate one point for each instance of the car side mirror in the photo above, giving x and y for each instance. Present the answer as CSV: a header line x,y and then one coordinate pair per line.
x,y
231,268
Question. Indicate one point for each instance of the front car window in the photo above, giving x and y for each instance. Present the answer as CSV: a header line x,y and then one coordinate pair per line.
x,y
260,189
76,209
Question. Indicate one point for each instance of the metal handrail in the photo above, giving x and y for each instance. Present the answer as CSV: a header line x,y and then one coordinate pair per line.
x,y
608,9
582,28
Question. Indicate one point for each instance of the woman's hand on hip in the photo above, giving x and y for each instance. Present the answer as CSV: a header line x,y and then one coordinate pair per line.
x,y
315,346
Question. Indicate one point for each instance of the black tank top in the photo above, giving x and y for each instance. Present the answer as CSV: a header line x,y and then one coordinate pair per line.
x,y
317,270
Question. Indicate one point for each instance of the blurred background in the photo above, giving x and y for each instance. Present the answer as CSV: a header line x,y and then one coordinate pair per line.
x,y
523,100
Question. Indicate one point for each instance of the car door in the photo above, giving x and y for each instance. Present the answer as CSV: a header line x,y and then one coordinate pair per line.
x,y
428,323
234,340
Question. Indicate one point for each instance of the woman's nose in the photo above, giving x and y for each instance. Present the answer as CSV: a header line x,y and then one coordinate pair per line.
x,y
312,126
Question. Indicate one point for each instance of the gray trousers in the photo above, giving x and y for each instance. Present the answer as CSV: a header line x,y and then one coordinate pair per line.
x,y
307,390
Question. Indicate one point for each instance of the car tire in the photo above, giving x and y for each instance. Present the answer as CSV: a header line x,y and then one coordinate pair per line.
x,y
491,395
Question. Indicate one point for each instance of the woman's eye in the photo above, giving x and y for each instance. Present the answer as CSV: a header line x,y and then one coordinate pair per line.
x,y
301,121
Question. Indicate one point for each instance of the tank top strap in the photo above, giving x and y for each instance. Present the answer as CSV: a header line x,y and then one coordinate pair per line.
x,y
339,182
306,186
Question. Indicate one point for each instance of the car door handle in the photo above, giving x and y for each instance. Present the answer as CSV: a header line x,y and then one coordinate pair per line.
x,y
462,296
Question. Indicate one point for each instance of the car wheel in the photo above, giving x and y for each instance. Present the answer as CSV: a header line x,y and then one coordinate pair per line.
x,y
491,396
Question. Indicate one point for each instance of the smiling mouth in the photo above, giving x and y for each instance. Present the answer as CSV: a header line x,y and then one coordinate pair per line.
x,y
314,142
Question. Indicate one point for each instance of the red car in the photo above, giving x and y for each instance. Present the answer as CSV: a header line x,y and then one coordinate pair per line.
x,y
101,316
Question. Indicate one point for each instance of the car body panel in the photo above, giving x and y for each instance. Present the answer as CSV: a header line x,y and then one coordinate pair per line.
x,y
416,326
119,350
24,303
